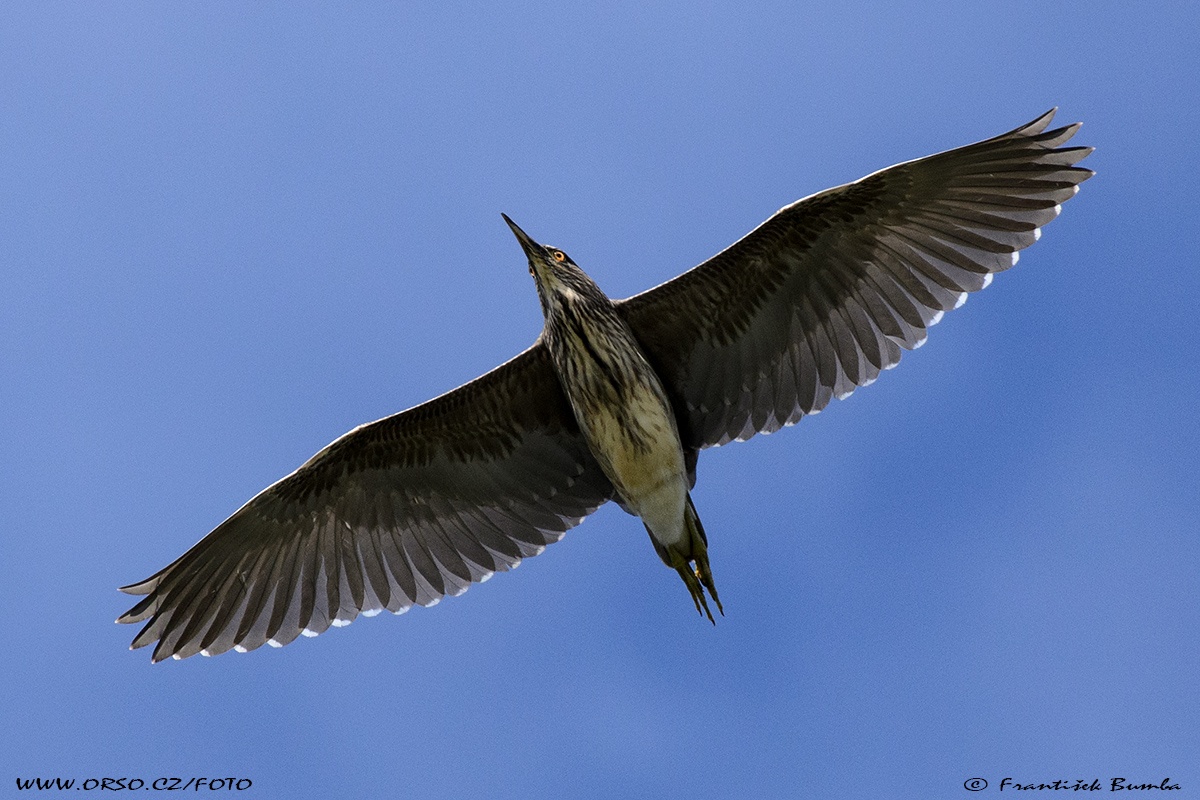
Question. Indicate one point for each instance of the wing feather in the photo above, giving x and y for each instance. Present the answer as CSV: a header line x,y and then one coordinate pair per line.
x,y
399,512
825,294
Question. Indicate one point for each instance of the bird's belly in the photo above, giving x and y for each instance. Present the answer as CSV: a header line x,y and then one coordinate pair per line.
x,y
637,445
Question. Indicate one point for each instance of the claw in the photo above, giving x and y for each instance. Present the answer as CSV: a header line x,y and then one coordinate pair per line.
x,y
704,574
689,557
692,579
695,571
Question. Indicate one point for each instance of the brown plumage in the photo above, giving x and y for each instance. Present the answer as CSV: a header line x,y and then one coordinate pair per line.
x,y
812,304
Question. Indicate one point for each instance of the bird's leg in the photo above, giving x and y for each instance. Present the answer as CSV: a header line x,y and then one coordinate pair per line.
x,y
691,579
698,578
704,574
689,558
699,555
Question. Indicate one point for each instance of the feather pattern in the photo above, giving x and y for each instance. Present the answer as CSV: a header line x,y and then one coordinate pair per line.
x,y
399,512
825,294
812,304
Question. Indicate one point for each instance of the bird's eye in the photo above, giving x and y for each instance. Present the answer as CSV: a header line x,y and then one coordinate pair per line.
x,y
559,255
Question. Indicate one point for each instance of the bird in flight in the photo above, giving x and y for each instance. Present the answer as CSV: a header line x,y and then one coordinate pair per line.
x,y
614,401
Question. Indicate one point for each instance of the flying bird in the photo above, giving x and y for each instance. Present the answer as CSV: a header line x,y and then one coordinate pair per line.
x,y
614,401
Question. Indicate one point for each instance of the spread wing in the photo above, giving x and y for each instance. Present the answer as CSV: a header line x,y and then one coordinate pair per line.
x,y
823,295
401,511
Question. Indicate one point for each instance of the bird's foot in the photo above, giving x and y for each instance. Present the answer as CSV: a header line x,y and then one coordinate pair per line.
x,y
697,576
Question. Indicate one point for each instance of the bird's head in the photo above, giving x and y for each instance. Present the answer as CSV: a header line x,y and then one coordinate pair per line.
x,y
559,279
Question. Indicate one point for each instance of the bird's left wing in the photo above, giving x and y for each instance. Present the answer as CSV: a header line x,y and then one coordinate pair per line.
x,y
823,295
405,510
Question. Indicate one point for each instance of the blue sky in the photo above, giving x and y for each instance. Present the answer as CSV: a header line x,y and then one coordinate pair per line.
x,y
231,232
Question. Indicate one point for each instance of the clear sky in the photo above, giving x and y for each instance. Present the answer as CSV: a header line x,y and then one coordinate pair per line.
x,y
231,232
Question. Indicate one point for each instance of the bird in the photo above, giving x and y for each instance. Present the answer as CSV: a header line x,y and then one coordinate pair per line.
x,y
614,400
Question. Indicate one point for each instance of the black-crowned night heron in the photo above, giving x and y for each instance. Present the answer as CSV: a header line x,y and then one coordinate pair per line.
x,y
614,401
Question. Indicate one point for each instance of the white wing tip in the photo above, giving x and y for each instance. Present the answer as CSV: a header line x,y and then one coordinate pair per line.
x,y
310,633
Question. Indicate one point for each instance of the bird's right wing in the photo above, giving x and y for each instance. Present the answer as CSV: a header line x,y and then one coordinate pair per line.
x,y
405,510
823,295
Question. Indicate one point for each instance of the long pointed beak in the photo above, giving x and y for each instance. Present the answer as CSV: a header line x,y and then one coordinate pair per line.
x,y
527,244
